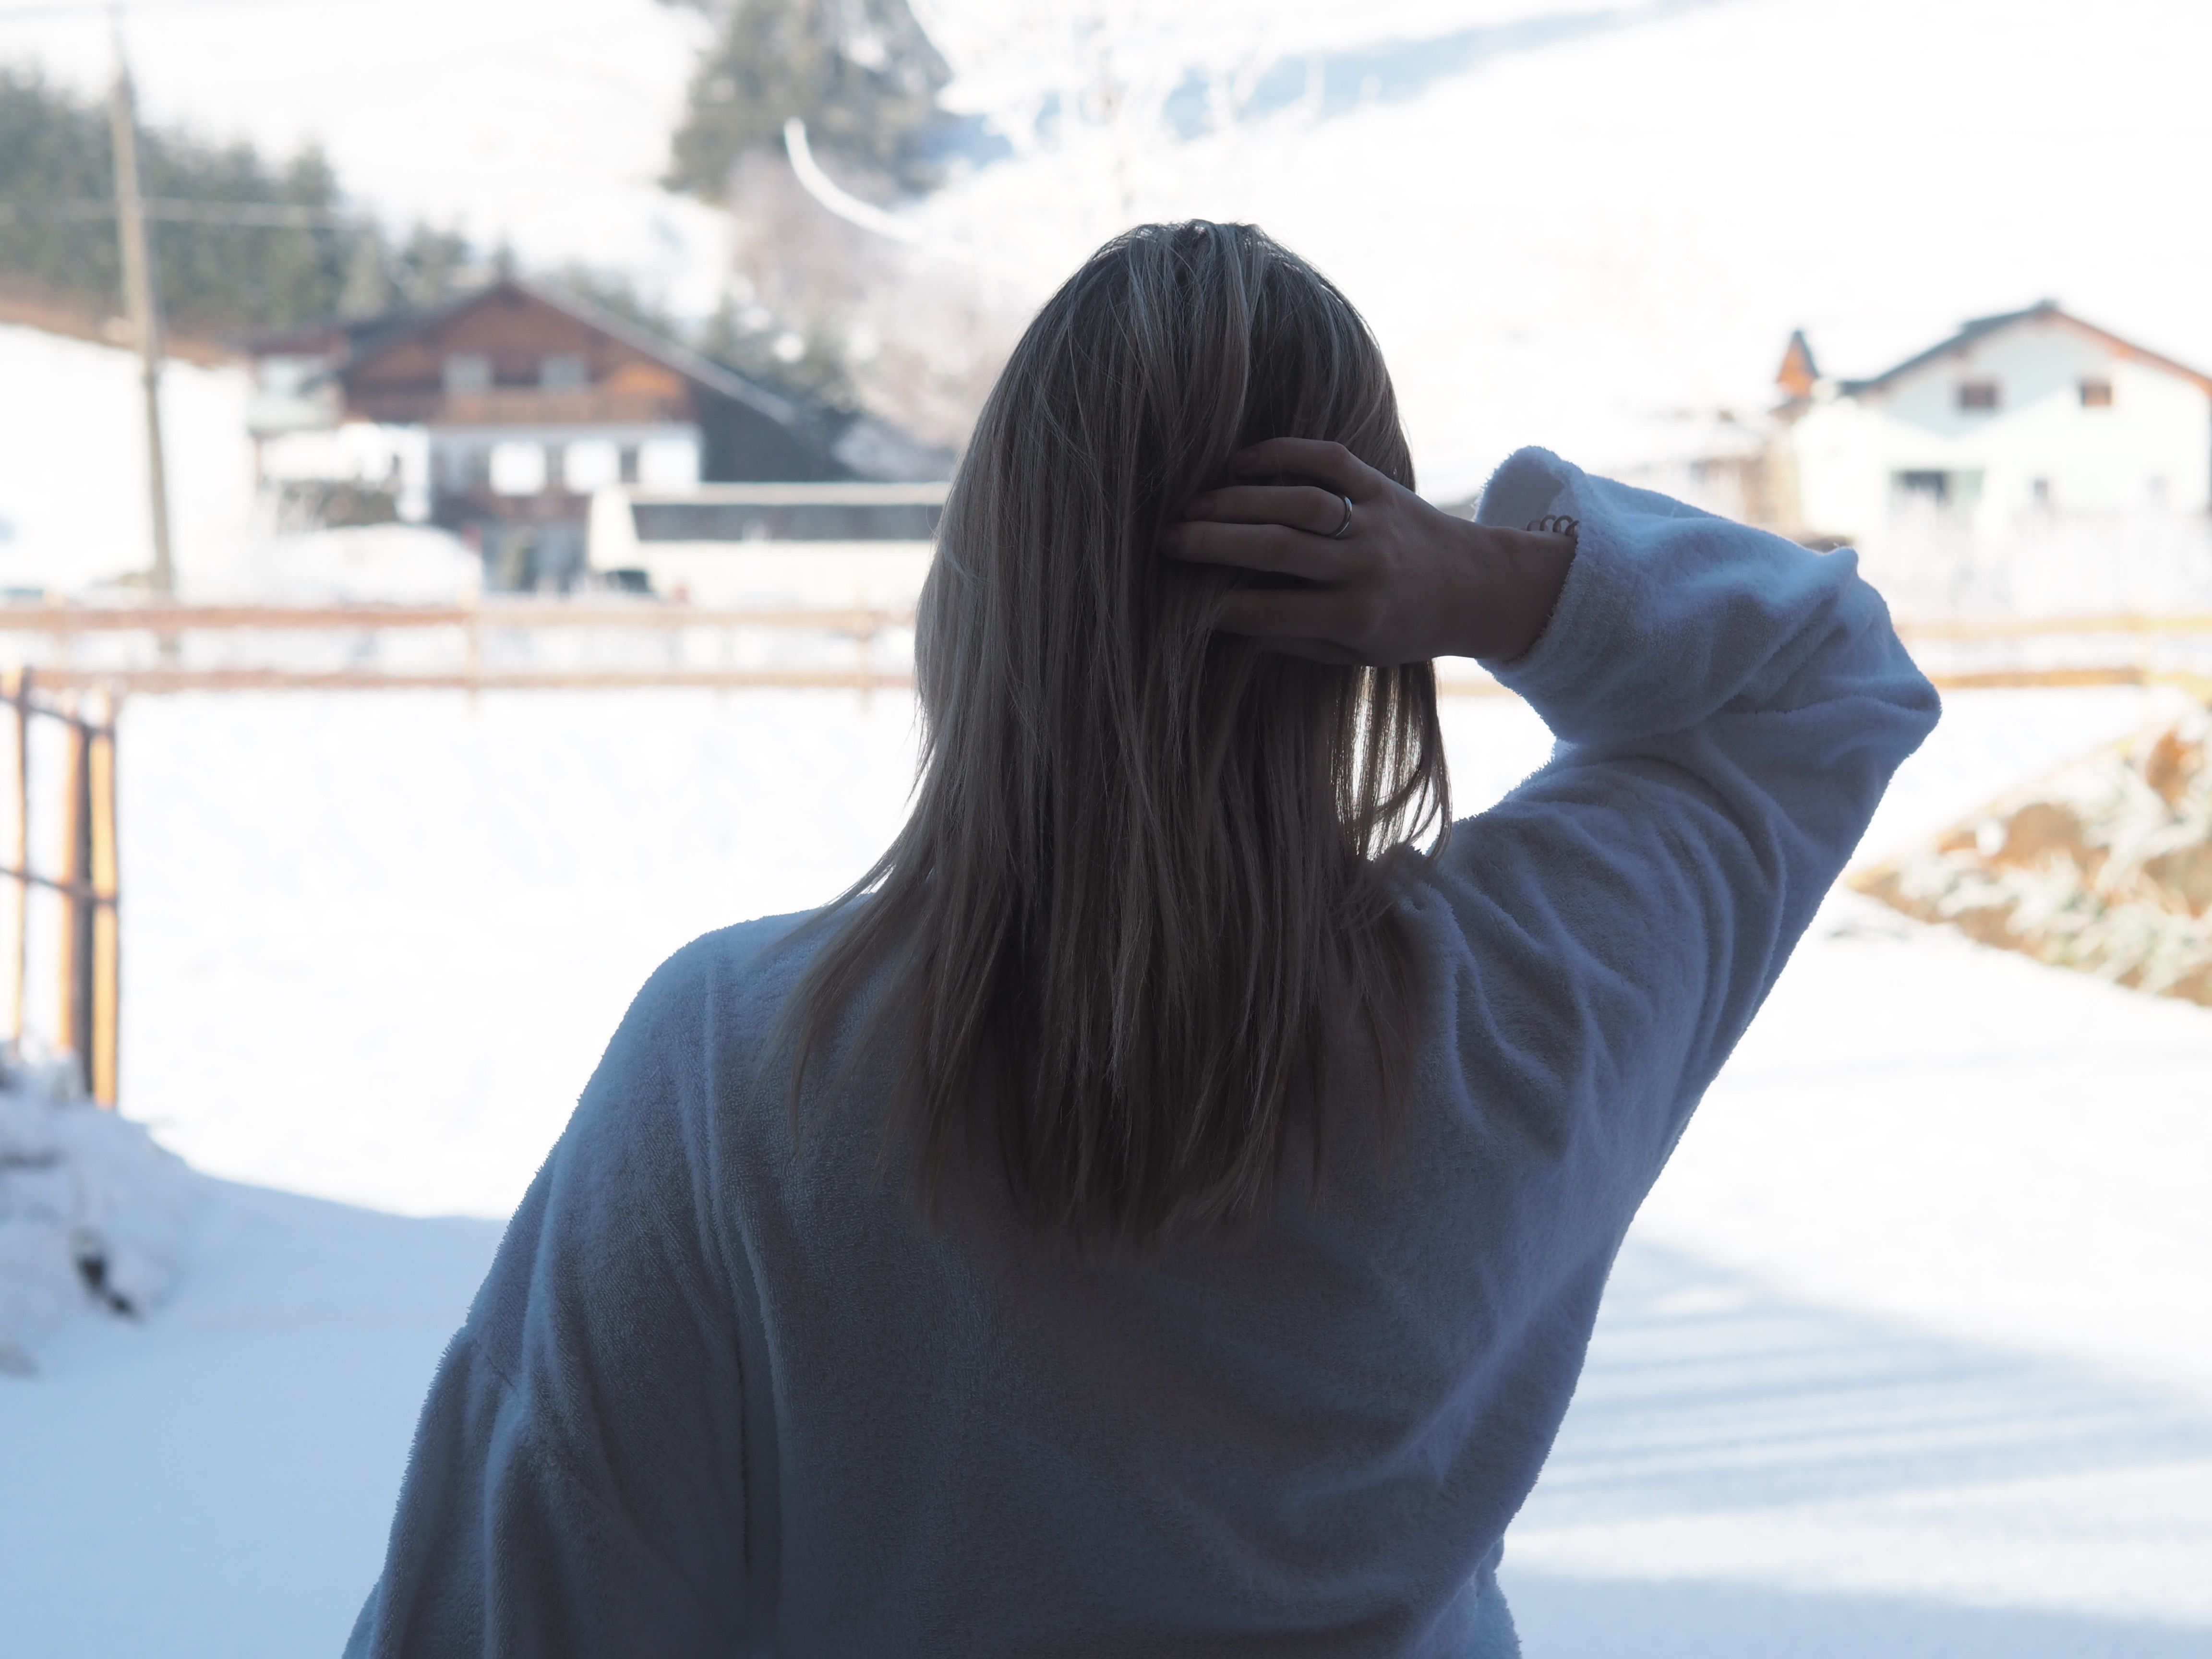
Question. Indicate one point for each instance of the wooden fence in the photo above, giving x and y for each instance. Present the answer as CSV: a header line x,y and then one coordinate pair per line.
x,y
173,623
84,695
87,881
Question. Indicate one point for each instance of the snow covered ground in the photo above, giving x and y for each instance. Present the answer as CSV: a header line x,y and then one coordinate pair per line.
x,y
218,1481
1910,1353
418,919
73,507
73,496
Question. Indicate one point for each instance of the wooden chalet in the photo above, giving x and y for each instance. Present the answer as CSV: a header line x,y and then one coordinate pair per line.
x,y
531,399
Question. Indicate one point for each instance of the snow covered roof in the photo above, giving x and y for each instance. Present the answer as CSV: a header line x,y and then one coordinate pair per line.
x,y
1980,328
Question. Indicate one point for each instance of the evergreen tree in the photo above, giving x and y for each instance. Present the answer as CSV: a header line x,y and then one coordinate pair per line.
x,y
54,175
807,367
432,266
219,276
367,291
616,292
860,74
221,272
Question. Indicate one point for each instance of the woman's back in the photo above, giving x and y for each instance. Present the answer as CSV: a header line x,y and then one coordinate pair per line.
x,y
722,1387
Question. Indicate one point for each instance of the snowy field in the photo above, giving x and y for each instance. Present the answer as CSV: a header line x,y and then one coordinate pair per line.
x,y
1910,1353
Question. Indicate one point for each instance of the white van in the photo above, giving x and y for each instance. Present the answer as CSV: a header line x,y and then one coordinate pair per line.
x,y
746,546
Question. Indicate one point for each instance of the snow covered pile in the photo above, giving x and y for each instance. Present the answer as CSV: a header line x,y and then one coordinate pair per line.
x,y
93,1214
2105,867
73,514
388,563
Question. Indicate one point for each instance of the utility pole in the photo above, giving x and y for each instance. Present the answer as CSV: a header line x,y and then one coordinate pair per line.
x,y
144,307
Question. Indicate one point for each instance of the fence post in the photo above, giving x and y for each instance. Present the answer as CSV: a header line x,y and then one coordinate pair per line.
x,y
21,688
473,642
102,1049
867,621
73,1021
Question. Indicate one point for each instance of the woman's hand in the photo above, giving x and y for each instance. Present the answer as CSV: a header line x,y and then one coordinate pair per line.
x,y
1395,581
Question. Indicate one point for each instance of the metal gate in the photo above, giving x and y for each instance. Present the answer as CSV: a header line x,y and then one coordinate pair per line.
x,y
85,881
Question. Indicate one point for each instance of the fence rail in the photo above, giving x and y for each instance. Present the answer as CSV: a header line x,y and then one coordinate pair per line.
x,y
157,618
65,620
2009,627
66,692
142,681
136,682
171,623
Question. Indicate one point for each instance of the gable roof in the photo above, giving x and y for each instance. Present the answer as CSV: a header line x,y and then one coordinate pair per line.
x,y
1798,373
362,340
1980,328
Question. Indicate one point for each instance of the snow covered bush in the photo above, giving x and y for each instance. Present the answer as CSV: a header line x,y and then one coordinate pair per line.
x,y
93,1214
2105,867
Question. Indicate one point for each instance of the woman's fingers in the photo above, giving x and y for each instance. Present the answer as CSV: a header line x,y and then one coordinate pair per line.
x,y
1301,506
1312,651
1312,458
1275,548
1346,614
1307,620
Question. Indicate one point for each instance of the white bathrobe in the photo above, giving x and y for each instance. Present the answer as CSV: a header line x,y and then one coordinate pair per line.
x,y
722,1394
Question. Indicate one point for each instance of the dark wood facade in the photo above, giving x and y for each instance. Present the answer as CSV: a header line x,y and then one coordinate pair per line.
x,y
520,364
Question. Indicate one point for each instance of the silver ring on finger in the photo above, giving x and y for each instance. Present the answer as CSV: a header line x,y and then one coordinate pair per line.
x,y
1344,529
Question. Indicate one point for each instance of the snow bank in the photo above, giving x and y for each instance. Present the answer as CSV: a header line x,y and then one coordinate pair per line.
x,y
2105,866
73,497
388,563
93,1214
217,1479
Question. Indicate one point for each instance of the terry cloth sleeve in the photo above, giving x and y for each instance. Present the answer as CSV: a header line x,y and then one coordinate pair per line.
x,y
1729,708
578,1480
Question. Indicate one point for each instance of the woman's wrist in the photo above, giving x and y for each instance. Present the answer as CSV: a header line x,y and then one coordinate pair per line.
x,y
1514,579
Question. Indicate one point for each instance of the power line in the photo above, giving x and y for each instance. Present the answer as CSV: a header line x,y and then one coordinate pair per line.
x,y
267,215
60,11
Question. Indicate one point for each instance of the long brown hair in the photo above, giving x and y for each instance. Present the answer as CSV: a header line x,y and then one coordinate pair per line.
x,y
1144,909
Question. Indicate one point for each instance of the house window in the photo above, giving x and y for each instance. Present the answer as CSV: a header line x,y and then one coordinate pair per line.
x,y
588,463
518,469
1949,494
668,463
465,466
466,370
564,371
2096,394
1977,394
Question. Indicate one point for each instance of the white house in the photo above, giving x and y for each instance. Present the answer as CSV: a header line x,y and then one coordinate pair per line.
x,y
2028,415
